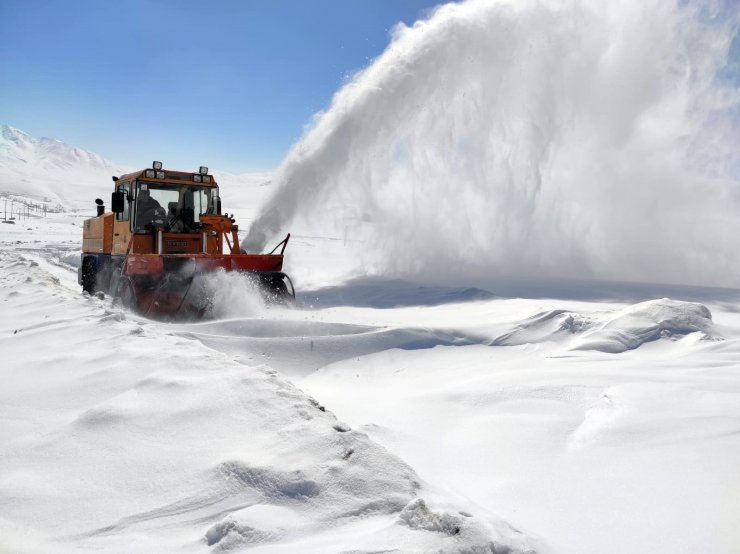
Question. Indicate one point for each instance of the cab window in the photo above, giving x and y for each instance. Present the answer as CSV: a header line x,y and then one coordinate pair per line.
x,y
176,207
125,188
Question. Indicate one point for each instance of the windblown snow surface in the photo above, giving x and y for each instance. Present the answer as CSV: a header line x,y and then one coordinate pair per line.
x,y
481,358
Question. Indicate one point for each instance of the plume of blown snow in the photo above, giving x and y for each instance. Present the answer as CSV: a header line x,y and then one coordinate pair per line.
x,y
232,294
557,139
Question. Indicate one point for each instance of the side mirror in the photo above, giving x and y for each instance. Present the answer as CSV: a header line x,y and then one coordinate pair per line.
x,y
117,200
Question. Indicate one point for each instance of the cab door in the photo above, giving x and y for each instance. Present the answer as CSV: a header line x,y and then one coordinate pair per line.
x,y
122,223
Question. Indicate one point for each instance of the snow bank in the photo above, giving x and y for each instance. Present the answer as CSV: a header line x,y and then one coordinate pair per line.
x,y
530,140
552,325
614,332
645,322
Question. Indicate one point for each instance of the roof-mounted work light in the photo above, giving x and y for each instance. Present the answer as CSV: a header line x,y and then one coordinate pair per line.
x,y
150,174
203,170
157,165
206,178
197,178
160,174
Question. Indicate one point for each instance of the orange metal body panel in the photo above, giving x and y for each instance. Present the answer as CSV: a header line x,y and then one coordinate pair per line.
x,y
97,234
121,236
174,243
181,243
142,244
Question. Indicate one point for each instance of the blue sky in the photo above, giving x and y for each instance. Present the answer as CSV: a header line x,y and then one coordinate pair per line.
x,y
225,83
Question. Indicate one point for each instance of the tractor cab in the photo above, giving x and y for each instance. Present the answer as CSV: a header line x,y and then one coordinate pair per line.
x,y
173,200
177,207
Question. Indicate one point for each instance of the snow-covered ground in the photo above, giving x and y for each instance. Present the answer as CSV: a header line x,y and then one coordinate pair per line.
x,y
372,417
458,374
120,433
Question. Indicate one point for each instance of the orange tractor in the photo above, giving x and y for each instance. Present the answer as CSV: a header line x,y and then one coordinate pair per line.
x,y
165,231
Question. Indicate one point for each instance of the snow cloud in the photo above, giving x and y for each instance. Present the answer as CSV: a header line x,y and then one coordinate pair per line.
x,y
531,139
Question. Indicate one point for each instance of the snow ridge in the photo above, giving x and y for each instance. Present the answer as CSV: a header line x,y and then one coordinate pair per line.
x,y
615,332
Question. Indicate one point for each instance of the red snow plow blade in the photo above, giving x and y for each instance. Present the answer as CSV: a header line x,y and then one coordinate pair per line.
x,y
165,287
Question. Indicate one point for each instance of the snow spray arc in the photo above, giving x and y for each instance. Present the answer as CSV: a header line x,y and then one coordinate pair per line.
x,y
537,137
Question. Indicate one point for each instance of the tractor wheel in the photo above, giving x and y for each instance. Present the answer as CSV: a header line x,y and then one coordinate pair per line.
x,y
88,276
113,282
278,291
126,294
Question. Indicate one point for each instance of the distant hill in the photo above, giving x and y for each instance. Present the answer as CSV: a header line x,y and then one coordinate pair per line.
x,y
71,177
48,168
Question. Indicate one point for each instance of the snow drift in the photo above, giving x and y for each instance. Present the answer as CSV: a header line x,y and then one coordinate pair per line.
x,y
510,139
614,332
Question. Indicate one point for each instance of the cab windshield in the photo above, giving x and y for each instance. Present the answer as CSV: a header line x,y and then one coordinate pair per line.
x,y
177,208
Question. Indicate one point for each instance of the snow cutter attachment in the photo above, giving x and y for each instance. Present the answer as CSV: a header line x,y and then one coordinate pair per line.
x,y
157,260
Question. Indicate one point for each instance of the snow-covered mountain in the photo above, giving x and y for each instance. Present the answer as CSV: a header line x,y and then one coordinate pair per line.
x,y
72,177
47,153
49,168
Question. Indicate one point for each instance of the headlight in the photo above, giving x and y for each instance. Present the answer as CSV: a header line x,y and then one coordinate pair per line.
x,y
157,165
203,170
149,174
197,178
160,174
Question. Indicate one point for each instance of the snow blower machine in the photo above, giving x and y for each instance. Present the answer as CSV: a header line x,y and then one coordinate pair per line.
x,y
164,236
